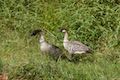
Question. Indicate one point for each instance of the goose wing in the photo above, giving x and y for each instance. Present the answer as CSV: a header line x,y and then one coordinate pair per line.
x,y
55,51
78,47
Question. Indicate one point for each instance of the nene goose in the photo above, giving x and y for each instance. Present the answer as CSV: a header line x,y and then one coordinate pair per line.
x,y
74,47
47,48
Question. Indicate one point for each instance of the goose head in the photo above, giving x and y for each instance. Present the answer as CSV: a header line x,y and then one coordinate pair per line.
x,y
35,32
63,30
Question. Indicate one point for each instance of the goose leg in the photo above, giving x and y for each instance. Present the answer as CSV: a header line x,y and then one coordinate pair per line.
x,y
70,57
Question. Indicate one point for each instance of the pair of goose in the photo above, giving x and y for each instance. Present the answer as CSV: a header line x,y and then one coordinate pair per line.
x,y
73,47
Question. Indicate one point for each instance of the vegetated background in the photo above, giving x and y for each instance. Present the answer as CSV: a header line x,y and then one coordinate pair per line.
x,y
95,23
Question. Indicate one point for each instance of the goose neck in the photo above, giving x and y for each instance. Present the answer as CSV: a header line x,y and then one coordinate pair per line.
x,y
42,39
65,37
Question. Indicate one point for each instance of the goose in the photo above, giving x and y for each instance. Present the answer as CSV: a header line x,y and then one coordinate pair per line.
x,y
74,47
46,47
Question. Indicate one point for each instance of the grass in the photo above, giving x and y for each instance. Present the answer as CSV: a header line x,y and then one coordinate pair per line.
x,y
93,22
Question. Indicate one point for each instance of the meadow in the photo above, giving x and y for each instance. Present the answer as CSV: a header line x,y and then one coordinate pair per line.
x,y
95,23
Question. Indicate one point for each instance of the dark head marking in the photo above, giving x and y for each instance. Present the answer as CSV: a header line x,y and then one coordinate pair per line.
x,y
33,33
63,30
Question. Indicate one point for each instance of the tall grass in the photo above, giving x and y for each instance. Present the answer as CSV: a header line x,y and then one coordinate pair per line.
x,y
96,23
